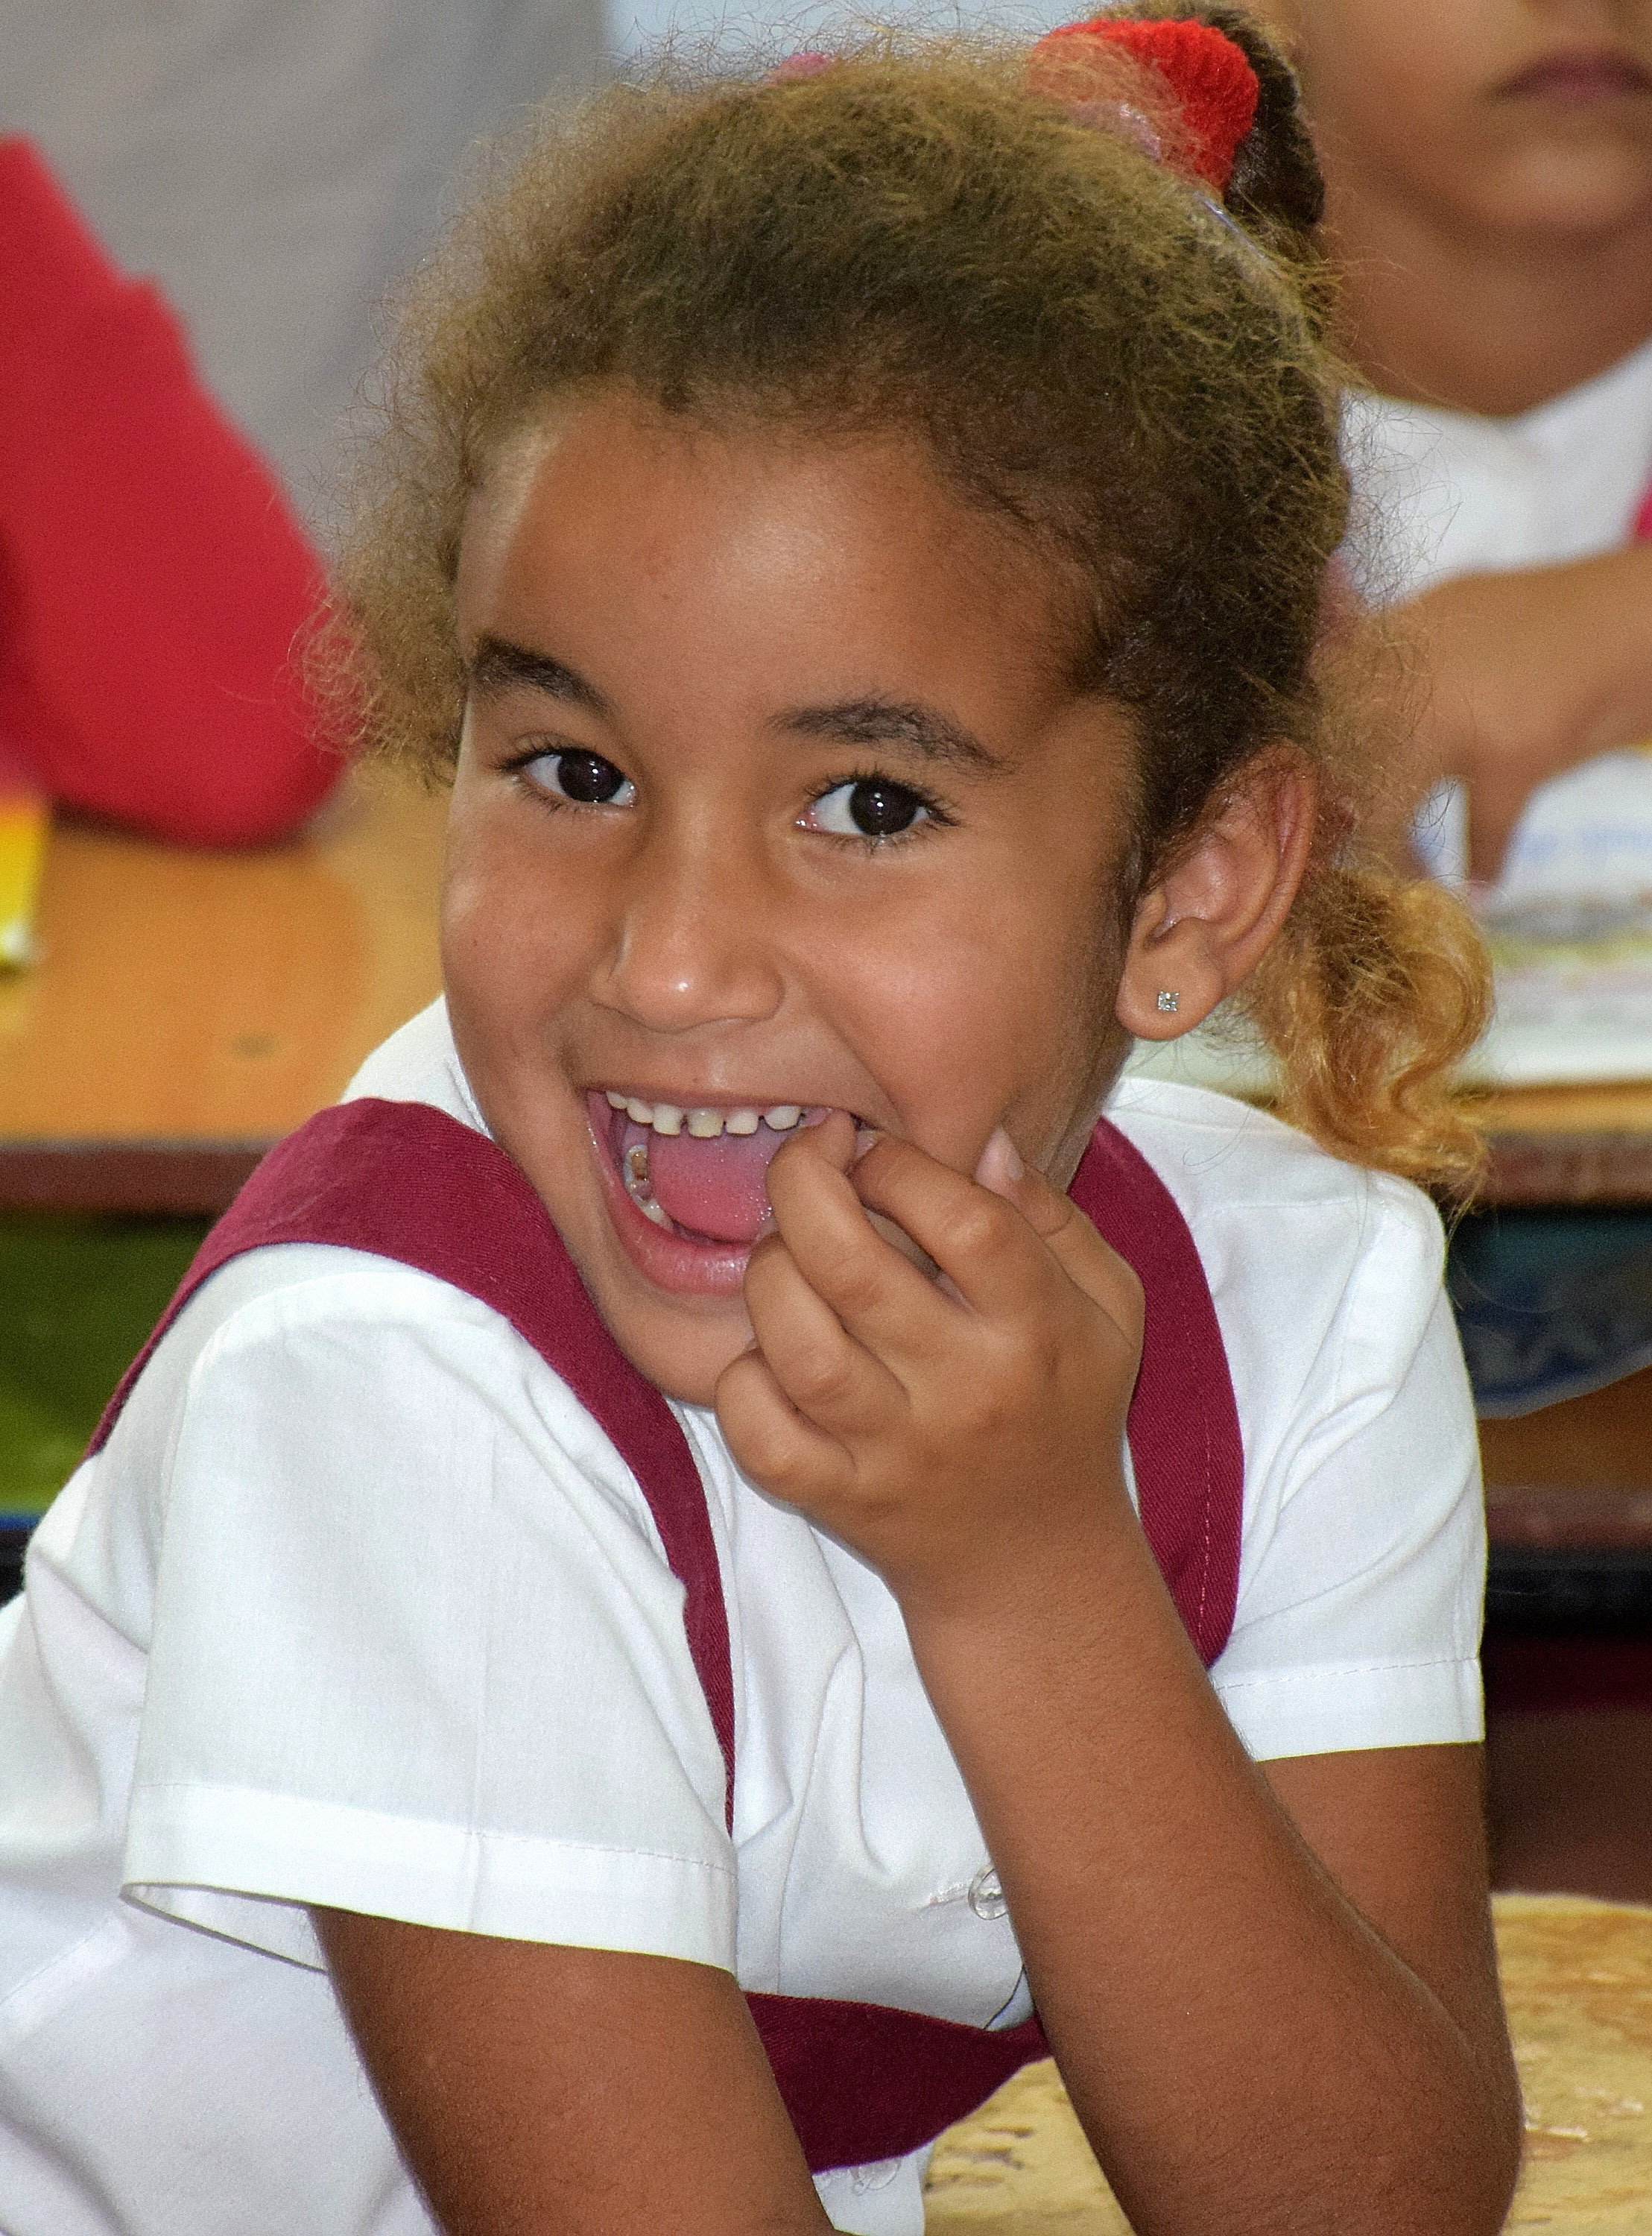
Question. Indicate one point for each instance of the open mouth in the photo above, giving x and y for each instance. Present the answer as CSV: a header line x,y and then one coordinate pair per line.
x,y
703,1172
688,1186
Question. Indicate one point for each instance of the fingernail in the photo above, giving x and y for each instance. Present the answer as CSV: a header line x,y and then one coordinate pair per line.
x,y
1000,1160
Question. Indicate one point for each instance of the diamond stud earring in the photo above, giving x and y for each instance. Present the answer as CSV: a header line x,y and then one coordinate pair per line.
x,y
1169,1000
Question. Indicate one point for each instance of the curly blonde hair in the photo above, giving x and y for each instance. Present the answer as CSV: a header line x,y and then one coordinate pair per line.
x,y
917,241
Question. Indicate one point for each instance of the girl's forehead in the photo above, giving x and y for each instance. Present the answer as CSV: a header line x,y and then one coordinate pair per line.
x,y
605,494
636,453
737,605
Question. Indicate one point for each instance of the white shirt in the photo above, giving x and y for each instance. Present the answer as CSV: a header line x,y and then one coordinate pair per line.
x,y
1439,494
357,1607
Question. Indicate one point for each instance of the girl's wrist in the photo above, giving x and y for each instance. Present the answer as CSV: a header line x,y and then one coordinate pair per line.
x,y
1012,1592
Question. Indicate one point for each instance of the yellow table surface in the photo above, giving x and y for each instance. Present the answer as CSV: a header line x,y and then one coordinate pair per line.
x,y
1577,1976
186,996
190,1004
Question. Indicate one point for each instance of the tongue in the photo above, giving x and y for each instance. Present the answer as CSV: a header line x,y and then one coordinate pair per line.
x,y
715,1187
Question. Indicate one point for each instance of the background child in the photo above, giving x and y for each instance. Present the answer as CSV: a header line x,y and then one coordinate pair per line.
x,y
1489,171
644,1581
1489,176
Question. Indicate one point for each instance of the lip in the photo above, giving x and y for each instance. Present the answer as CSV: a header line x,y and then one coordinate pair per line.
x,y
1579,77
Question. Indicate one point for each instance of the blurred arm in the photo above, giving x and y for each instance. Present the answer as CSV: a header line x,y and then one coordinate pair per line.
x,y
152,577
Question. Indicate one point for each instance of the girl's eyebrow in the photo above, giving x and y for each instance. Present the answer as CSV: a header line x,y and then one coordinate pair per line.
x,y
498,665
920,729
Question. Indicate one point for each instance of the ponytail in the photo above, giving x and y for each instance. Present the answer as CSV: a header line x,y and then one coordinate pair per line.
x,y
1370,997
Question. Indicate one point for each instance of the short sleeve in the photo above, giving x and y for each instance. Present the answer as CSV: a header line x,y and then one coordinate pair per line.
x,y
1362,1573
416,1649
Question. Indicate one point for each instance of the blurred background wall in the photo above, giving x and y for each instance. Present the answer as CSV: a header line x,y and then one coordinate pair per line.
x,y
277,164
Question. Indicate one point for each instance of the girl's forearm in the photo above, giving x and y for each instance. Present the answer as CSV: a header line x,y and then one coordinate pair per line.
x,y
1246,2051
535,2088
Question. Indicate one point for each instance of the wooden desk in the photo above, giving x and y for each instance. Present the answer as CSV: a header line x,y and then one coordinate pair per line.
x,y
190,1009
1571,1145
1577,1976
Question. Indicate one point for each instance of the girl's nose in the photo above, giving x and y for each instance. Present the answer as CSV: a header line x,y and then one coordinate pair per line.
x,y
694,941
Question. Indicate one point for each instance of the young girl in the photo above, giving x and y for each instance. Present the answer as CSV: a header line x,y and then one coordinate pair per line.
x,y
670,1606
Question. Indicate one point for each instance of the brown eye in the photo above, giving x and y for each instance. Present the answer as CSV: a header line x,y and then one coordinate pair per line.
x,y
870,807
586,778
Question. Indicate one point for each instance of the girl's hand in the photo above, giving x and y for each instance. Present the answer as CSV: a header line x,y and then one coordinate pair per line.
x,y
1523,675
954,1433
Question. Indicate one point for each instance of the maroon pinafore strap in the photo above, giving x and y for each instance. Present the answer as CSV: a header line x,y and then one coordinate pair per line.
x,y
1185,1435
402,1180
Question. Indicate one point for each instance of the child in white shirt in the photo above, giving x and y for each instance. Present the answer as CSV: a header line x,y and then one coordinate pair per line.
x,y
641,1635
1490,180
1489,172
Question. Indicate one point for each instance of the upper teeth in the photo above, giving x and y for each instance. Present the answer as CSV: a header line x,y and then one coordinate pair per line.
x,y
703,1125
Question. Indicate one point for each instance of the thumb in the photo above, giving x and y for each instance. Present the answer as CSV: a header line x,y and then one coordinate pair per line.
x,y
1089,1262
1003,1170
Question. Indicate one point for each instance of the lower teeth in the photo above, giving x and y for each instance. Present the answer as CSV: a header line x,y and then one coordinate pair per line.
x,y
639,1187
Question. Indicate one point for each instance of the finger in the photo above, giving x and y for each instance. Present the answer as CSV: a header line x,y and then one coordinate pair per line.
x,y
1088,1260
782,1452
1491,819
832,1139
831,1379
876,1293
996,1241
990,1258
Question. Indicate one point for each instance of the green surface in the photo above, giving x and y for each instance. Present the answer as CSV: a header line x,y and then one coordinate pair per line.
x,y
78,1297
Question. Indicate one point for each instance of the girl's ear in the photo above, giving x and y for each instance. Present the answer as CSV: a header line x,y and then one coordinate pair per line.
x,y
1203,928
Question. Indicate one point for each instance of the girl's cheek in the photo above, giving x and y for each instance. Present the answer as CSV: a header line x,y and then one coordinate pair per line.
x,y
497,905
470,938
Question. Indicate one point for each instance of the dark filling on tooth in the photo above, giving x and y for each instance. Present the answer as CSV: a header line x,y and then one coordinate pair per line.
x,y
637,1171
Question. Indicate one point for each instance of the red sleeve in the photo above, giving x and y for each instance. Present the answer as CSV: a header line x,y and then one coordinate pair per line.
x,y
152,578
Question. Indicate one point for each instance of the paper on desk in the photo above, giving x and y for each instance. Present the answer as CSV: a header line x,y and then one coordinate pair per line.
x,y
1570,927
25,816
1574,992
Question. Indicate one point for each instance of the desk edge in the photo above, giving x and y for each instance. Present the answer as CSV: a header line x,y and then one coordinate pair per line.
x,y
194,1179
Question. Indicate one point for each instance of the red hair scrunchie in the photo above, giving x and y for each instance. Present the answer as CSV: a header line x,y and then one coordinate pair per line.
x,y
1210,79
